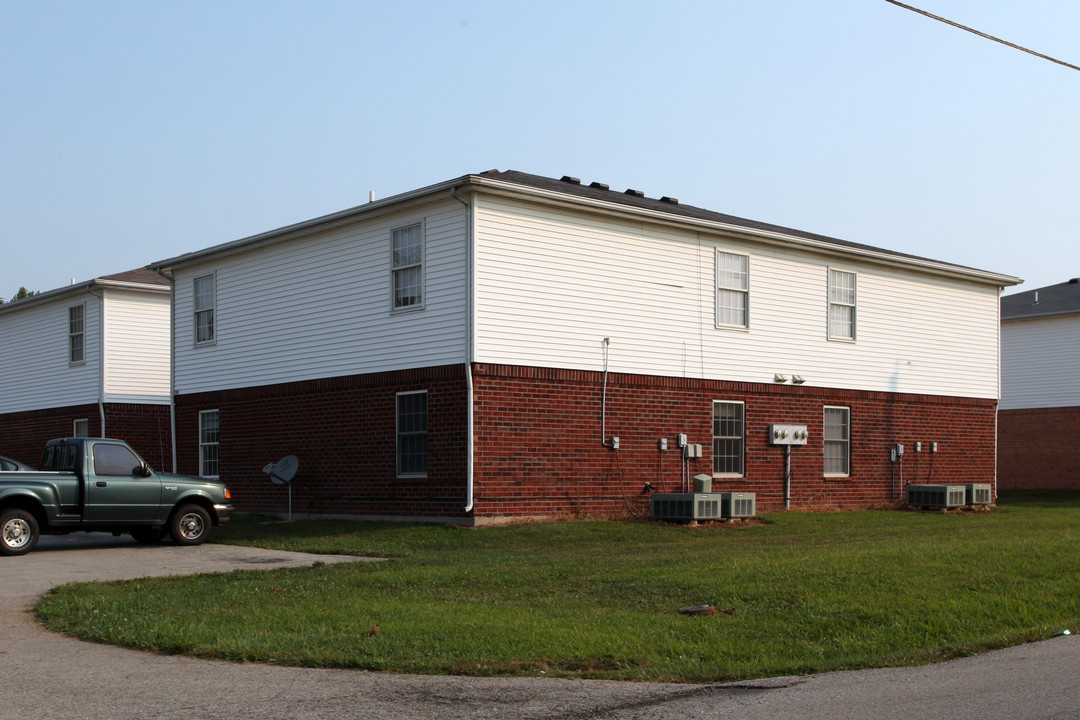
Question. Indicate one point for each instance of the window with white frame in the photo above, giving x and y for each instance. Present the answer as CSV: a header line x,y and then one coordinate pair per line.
x,y
205,301
841,305
81,428
77,334
209,441
732,289
412,434
729,437
407,267
837,435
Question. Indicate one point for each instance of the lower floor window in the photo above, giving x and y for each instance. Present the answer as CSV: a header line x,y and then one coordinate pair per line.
x,y
837,437
209,439
728,437
81,428
412,434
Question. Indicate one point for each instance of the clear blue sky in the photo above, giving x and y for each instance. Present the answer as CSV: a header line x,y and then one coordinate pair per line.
x,y
135,131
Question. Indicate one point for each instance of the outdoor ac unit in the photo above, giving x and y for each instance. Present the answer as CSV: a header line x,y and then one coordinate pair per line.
x,y
943,496
738,504
978,493
702,506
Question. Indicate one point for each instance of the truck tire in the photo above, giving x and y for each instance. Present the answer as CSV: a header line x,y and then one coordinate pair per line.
x,y
190,525
18,532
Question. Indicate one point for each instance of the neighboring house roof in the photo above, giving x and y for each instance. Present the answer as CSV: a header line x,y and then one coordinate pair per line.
x,y
140,279
1060,299
599,197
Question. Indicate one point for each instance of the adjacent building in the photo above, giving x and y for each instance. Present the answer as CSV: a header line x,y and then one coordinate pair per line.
x,y
506,345
1039,418
91,359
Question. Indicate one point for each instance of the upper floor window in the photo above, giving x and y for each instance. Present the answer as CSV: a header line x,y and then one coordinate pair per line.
x,y
732,289
407,267
77,334
841,305
412,434
837,436
205,301
729,433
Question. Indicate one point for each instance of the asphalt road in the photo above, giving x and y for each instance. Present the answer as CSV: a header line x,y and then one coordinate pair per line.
x,y
43,675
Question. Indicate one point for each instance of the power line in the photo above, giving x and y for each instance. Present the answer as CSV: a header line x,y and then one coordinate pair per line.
x,y
982,34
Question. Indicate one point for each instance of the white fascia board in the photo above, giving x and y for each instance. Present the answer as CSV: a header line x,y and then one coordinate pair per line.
x,y
307,227
78,289
883,257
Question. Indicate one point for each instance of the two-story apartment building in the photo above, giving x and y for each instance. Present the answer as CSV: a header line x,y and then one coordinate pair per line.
x,y
1039,413
90,359
473,349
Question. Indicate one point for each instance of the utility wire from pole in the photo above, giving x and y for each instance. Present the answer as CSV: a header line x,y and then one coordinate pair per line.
x,y
982,34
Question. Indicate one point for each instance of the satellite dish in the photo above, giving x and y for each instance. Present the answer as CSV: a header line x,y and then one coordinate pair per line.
x,y
284,470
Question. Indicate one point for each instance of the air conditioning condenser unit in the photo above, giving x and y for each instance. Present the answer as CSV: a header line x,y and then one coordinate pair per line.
x,y
702,506
939,496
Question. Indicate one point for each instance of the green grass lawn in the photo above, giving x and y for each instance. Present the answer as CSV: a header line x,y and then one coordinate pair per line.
x,y
809,592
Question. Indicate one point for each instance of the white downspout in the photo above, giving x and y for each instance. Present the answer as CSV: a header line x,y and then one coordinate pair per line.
x,y
172,364
101,356
470,350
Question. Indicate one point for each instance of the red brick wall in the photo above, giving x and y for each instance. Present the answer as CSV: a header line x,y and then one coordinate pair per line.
x,y
342,431
538,447
539,450
145,427
1039,448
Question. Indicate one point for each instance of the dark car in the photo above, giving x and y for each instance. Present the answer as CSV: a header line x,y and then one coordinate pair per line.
x,y
7,463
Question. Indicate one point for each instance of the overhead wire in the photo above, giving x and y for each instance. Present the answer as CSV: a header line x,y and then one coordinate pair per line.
x,y
982,34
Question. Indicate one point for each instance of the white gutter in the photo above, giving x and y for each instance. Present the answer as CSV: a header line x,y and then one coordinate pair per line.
x,y
470,349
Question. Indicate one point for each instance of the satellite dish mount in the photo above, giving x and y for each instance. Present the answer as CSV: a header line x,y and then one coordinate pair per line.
x,y
282,472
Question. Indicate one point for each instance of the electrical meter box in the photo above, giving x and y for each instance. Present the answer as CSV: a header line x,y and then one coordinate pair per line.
x,y
787,434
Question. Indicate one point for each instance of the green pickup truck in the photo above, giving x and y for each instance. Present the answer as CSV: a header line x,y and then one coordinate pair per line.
x,y
94,484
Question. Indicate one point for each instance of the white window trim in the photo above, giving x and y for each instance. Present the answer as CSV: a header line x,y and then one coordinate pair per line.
x,y
215,444
394,309
829,306
81,334
716,291
824,440
195,311
75,427
743,461
397,436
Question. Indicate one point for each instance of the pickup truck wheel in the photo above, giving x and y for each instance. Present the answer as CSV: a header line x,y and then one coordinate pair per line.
x,y
190,525
18,532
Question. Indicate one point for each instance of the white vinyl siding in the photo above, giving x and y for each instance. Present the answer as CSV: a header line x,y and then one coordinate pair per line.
x,y
77,334
1038,362
39,374
209,443
837,441
841,305
137,347
732,290
317,306
552,283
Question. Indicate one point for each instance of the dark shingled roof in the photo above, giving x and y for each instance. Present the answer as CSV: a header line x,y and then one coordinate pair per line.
x,y
1060,299
143,276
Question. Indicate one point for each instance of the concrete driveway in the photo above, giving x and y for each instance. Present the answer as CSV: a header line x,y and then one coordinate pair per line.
x,y
46,675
